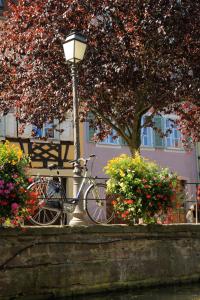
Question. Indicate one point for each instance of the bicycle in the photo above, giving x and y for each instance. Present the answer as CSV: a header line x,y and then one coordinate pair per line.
x,y
54,204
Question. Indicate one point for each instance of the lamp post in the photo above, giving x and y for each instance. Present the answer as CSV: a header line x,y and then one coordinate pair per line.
x,y
74,49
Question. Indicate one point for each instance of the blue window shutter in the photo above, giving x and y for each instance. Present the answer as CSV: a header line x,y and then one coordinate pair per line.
x,y
90,130
158,140
91,133
122,141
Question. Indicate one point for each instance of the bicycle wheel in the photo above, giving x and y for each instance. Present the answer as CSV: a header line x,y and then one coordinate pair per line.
x,y
44,215
98,204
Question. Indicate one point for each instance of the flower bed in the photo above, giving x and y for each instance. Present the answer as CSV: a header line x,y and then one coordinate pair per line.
x,y
143,189
16,202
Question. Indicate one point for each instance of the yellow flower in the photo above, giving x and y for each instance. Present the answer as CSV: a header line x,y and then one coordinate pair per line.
x,y
122,174
7,222
19,154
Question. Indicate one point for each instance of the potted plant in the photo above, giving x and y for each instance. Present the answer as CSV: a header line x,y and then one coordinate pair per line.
x,y
16,202
144,191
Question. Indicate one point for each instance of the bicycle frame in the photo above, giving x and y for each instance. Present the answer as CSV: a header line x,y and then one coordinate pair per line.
x,y
89,189
85,179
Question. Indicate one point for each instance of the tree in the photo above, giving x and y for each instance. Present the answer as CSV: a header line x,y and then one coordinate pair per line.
x,y
143,56
189,119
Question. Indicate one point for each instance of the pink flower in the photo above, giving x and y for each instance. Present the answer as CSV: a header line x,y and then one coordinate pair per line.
x,y
1,183
6,191
10,186
14,206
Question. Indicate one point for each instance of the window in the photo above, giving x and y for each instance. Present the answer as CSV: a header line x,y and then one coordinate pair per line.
x,y
173,140
158,140
36,131
146,135
149,137
1,4
110,140
46,131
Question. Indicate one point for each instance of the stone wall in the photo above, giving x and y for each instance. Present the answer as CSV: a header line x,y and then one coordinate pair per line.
x,y
54,261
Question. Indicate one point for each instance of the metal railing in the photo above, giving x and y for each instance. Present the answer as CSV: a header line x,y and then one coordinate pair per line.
x,y
192,199
187,197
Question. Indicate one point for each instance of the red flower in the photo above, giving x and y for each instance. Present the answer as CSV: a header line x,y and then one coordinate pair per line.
x,y
4,203
146,186
12,195
33,195
124,215
31,202
173,197
30,180
130,201
114,202
148,196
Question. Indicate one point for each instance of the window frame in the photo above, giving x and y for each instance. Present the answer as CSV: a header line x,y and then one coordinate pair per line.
x,y
149,135
171,136
43,131
109,139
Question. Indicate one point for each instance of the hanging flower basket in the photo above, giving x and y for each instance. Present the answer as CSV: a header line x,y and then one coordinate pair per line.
x,y
16,202
144,191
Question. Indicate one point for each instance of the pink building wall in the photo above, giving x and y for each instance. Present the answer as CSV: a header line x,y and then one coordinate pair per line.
x,y
179,161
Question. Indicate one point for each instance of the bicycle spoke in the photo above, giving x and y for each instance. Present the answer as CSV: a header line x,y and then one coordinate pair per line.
x,y
97,215
44,215
97,207
35,216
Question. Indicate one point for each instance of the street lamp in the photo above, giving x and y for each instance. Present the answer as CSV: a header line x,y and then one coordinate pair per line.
x,y
74,49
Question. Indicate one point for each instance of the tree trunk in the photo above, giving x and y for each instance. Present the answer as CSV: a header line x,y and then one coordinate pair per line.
x,y
134,141
134,147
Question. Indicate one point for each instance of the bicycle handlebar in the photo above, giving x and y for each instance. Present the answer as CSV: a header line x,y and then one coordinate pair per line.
x,y
85,160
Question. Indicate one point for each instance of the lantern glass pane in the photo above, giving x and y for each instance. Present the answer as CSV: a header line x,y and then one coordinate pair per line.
x,y
69,50
79,50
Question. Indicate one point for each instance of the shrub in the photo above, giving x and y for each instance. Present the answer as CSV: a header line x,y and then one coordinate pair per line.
x,y
142,188
16,202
